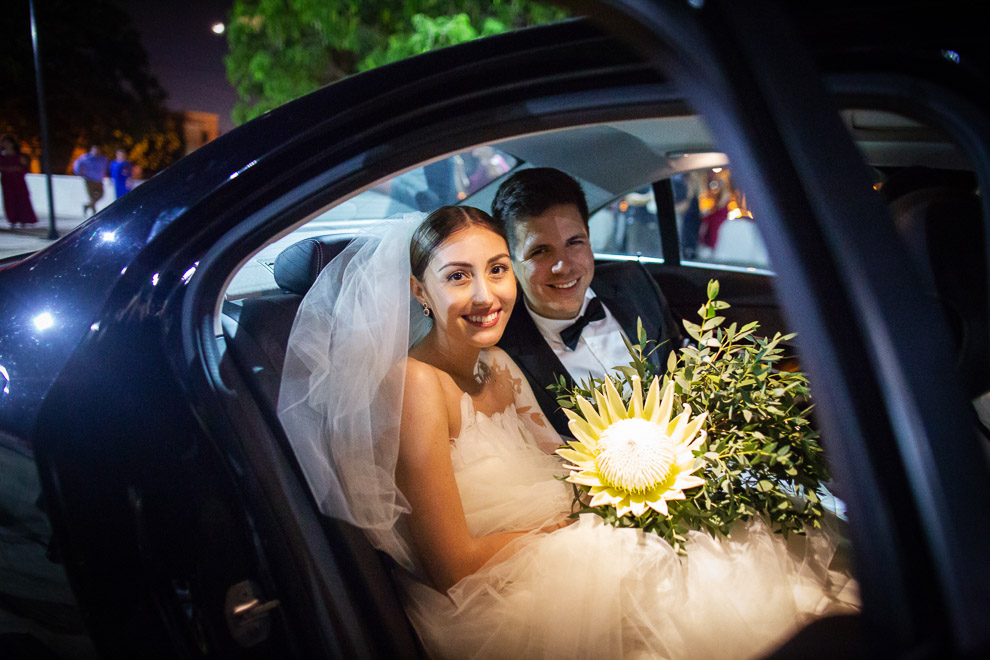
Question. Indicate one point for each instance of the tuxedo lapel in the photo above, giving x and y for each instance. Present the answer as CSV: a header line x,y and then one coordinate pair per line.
x,y
627,312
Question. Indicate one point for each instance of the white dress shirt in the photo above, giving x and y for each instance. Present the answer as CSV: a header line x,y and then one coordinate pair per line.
x,y
599,349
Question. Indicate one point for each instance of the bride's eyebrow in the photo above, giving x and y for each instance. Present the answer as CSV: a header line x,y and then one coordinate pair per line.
x,y
465,264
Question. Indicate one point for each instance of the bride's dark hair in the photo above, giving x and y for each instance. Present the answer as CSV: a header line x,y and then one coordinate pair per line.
x,y
439,226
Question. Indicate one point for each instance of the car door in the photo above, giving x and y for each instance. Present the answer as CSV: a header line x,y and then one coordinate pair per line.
x,y
885,406
895,427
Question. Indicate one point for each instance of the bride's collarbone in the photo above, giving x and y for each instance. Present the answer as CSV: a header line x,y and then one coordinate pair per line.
x,y
489,395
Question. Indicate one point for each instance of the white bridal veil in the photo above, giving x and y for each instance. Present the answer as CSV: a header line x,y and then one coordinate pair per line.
x,y
340,399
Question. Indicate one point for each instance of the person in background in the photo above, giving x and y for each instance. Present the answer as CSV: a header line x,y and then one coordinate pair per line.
x,y
686,188
92,166
121,171
16,199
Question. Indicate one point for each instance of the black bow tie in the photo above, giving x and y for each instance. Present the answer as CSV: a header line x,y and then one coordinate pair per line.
x,y
572,333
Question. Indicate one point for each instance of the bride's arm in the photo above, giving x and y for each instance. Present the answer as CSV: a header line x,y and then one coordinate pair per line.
x,y
425,475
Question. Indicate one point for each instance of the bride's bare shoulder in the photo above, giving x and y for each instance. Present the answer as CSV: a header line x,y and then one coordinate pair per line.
x,y
421,374
424,382
425,401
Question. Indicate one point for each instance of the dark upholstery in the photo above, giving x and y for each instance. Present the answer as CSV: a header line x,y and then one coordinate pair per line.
x,y
256,331
942,229
297,266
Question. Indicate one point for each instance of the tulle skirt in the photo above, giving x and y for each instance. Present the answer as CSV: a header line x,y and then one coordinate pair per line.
x,y
593,591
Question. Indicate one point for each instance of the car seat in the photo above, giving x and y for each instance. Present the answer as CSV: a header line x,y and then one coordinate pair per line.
x,y
942,230
256,332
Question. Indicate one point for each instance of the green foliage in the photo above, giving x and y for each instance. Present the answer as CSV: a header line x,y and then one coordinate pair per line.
x,y
283,49
428,34
761,457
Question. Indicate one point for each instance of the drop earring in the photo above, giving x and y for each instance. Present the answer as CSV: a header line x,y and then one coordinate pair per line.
x,y
426,309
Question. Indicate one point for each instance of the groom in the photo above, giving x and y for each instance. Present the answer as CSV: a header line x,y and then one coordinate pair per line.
x,y
573,318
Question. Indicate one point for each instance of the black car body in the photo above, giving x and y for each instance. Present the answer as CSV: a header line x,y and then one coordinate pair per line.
x,y
177,512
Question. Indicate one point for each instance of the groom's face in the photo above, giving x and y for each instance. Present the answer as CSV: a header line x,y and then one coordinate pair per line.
x,y
553,261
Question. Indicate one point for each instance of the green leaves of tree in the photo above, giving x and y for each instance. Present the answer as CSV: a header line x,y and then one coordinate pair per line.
x,y
762,456
283,49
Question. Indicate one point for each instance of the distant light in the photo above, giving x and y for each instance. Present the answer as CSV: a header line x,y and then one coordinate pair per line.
x,y
716,170
6,379
109,236
43,321
952,56
95,326
154,280
218,28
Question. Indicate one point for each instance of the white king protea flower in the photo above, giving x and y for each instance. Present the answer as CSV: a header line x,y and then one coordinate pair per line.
x,y
637,457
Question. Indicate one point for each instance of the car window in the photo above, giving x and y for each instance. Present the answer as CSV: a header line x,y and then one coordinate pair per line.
x,y
451,180
714,224
627,226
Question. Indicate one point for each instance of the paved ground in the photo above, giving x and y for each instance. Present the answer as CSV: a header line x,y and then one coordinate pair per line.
x,y
24,240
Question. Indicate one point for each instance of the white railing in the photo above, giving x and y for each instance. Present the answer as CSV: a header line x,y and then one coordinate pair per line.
x,y
68,194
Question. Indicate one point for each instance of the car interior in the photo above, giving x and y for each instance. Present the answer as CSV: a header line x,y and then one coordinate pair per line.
x,y
635,175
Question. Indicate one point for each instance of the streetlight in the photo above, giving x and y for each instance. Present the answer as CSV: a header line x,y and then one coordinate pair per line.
x,y
46,164
218,28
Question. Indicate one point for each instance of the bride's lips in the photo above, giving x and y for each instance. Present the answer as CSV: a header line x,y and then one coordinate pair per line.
x,y
483,320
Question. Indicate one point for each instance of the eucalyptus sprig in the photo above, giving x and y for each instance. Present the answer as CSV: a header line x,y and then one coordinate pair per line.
x,y
761,456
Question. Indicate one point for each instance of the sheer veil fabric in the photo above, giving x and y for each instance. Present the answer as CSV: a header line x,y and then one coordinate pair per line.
x,y
341,394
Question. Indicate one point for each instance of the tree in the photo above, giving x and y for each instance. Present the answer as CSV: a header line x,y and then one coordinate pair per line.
x,y
98,86
283,49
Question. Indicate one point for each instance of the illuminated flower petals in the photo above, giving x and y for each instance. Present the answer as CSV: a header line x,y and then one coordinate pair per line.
x,y
590,414
634,458
616,409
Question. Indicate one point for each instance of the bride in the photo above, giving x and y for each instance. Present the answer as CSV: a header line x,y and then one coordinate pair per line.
x,y
410,423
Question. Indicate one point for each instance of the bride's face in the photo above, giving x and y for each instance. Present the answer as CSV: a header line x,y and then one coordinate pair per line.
x,y
469,287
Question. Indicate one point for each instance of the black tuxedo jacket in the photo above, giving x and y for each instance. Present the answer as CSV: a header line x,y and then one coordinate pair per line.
x,y
629,292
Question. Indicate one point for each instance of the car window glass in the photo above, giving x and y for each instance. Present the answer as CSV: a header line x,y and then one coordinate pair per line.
x,y
627,226
714,224
451,180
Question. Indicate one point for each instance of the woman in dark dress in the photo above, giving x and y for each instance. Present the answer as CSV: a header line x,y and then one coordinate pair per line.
x,y
16,200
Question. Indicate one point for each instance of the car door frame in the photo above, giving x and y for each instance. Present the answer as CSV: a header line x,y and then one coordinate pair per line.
x,y
899,431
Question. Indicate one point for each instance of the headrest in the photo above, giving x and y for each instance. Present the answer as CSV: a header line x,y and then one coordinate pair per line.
x,y
298,265
942,229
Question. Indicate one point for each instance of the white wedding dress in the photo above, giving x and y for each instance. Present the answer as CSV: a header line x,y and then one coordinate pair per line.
x,y
589,590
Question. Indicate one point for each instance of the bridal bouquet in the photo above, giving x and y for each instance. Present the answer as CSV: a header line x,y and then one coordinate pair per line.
x,y
740,445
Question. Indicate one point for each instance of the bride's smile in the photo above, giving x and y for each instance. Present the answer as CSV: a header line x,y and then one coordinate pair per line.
x,y
486,321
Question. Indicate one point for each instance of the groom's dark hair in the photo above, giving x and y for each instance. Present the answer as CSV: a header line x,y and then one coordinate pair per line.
x,y
530,192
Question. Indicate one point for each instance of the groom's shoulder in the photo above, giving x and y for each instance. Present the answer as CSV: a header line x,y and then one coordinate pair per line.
x,y
618,273
624,280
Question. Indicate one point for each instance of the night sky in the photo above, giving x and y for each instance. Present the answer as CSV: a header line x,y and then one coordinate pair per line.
x,y
184,54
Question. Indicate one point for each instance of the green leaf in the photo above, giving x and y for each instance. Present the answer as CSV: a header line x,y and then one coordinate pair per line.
x,y
712,322
693,329
712,289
